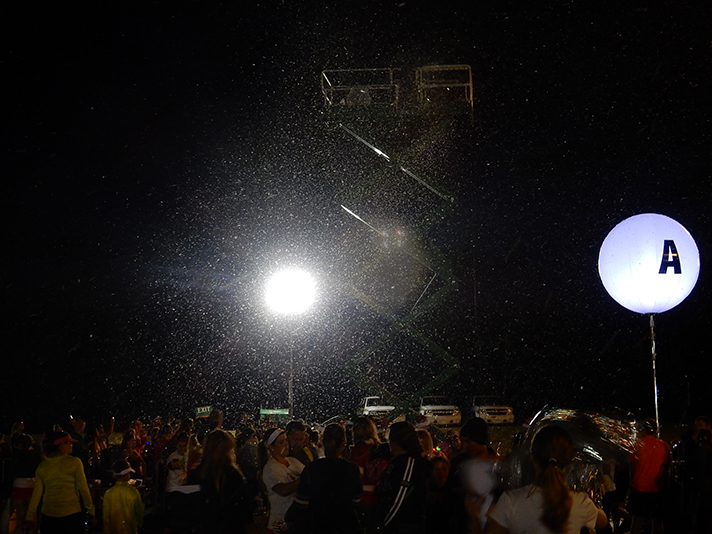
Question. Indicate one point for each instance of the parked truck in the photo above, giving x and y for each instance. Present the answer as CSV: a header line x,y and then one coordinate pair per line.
x,y
492,410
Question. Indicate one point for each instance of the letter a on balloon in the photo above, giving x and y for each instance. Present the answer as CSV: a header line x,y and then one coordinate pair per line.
x,y
670,258
649,263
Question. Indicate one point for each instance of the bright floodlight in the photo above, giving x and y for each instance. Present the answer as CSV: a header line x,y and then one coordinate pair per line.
x,y
290,292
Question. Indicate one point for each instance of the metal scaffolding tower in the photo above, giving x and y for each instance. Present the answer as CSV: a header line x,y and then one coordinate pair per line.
x,y
367,106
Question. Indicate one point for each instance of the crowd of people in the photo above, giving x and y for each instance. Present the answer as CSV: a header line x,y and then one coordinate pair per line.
x,y
195,477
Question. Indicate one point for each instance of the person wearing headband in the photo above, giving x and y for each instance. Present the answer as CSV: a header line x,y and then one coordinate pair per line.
x,y
123,509
547,505
280,475
62,487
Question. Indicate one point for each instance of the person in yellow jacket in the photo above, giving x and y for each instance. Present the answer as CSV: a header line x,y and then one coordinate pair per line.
x,y
62,487
123,508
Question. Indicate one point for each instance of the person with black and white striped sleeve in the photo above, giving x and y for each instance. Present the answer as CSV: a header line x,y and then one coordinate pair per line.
x,y
403,490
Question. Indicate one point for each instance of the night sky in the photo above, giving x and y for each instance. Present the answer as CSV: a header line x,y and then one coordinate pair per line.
x,y
161,160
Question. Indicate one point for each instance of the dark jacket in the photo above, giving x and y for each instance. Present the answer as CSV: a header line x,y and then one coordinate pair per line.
x,y
402,500
329,491
229,509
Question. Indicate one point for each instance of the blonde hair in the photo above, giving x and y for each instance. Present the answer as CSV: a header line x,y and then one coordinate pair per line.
x,y
365,429
426,442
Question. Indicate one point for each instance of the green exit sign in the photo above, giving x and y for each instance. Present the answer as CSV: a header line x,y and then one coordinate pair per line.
x,y
203,411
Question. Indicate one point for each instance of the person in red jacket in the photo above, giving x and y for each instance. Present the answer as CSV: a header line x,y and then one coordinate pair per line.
x,y
649,463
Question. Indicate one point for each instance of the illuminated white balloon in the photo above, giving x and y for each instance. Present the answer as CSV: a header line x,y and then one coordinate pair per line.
x,y
649,263
291,292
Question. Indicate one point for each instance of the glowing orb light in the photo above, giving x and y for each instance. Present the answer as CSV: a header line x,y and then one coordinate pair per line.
x,y
649,263
291,292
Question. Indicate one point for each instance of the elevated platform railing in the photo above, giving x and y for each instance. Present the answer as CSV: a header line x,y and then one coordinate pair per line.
x,y
436,87
444,84
359,87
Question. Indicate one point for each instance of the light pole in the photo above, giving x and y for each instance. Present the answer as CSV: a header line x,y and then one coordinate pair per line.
x,y
290,292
